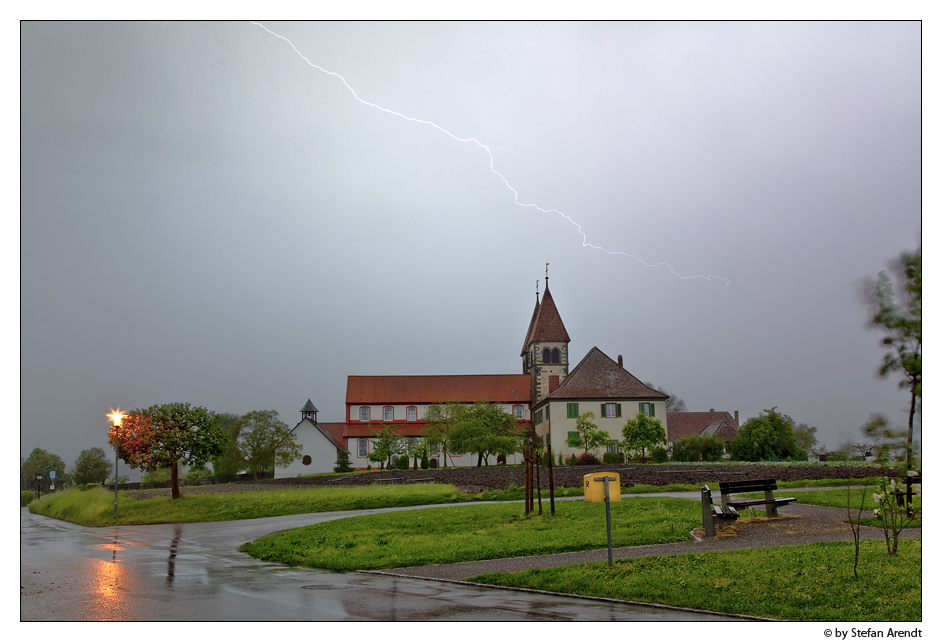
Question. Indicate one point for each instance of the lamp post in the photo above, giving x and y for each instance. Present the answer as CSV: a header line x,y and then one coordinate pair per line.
x,y
116,418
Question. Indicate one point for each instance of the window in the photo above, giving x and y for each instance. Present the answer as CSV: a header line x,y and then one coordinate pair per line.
x,y
546,355
387,413
306,460
555,355
612,446
518,412
364,413
363,447
410,447
573,436
646,408
434,449
572,410
611,410
411,413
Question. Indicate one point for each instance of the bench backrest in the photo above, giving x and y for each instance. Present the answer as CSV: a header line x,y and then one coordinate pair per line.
x,y
747,486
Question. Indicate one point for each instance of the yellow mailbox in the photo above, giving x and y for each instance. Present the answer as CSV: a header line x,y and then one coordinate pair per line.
x,y
595,490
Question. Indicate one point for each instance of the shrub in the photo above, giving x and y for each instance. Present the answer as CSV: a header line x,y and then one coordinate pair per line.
x,y
342,464
587,459
836,455
613,458
425,462
195,476
572,460
699,448
402,462
660,454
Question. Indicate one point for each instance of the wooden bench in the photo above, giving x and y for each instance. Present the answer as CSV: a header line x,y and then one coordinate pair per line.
x,y
905,497
770,502
713,514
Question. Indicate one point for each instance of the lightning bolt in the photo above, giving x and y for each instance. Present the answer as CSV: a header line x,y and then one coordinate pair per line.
x,y
489,151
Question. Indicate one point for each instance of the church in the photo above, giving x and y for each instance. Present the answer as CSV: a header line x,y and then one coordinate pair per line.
x,y
547,396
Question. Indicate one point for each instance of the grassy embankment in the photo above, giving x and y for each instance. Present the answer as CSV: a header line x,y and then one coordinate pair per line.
x,y
96,507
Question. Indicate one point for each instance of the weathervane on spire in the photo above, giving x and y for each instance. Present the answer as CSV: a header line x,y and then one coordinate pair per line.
x,y
537,290
547,275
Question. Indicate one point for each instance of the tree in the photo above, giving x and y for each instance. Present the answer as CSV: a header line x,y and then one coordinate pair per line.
x,y
902,326
163,436
91,467
673,404
388,442
342,464
40,463
805,438
437,425
265,441
643,433
230,463
587,434
483,428
766,437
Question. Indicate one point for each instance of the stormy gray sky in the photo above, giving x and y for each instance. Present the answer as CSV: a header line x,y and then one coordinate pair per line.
x,y
208,217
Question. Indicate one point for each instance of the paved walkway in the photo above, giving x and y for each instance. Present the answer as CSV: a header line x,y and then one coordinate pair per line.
x,y
797,524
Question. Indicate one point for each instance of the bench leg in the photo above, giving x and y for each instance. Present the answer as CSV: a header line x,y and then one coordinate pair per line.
x,y
771,509
706,503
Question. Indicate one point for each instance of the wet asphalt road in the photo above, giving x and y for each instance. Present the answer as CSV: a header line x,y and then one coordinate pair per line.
x,y
181,572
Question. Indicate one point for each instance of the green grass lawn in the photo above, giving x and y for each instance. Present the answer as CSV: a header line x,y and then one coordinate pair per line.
x,y
468,533
96,507
811,582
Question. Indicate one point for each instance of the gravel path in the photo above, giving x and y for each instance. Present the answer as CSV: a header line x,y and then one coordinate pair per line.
x,y
797,524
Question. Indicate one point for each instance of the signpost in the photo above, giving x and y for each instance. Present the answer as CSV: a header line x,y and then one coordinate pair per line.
x,y
608,514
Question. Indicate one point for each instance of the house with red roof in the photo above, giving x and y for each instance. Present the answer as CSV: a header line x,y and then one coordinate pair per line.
x,y
719,424
603,387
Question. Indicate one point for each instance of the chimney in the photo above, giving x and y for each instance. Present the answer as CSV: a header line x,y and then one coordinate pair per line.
x,y
621,363
736,415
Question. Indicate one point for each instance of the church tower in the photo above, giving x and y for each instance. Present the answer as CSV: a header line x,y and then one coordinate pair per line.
x,y
545,351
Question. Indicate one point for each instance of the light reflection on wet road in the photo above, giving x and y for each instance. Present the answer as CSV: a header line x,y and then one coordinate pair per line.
x,y
178,572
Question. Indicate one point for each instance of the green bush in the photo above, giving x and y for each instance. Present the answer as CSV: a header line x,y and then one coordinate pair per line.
x,y
342,464
836,455
613,458
587,459
196,476
26,496
699,448
152,478
572,460
660,455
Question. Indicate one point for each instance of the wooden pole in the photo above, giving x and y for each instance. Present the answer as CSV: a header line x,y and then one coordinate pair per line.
x,y
549,467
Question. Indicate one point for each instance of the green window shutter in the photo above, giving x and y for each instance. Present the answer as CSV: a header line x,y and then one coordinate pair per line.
x,y
618,410
547,413
602,411
652,409
572,410
642,409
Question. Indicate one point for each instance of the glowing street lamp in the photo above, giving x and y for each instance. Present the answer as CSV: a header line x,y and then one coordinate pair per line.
x,y
116,418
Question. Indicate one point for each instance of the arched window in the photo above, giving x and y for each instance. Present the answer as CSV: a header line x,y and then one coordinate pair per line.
x,y
387,413
555,355
546,355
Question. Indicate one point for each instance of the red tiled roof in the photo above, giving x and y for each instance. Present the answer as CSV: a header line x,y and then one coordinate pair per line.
x,y
416,389
336,429
687,424
598,377
547,324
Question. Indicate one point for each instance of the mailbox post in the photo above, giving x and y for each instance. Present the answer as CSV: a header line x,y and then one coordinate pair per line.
x,y
608,514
